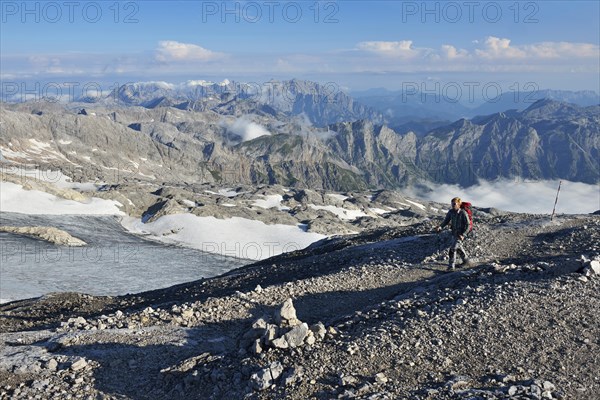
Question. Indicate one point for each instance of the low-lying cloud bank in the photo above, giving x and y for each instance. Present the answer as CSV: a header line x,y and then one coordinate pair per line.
x,y
519,196
247,129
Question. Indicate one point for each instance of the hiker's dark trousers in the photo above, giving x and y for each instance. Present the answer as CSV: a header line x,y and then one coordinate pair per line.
x,y
456,247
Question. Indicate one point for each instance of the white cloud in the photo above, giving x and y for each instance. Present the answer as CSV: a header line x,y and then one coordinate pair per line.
x,y
493,49
450,52
365,58
44,61
496,48
402,49
519,196
170,50
491,55
565,50
53,65
501,49
247,129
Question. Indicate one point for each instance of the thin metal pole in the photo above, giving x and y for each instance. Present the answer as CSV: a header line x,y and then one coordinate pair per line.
x,y
556,201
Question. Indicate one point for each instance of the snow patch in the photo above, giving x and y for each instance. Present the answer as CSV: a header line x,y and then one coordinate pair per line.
x,y
146,176
44,150
16,199
8,153
233,237
337,196
421,206
378,210
271,201
57,178
227,192
38,147
341,213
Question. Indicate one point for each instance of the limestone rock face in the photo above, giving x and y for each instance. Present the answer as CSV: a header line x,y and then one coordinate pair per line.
x,y
347,147
49,234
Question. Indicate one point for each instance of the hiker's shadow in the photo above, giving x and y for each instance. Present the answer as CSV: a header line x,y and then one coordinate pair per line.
x,y
131,366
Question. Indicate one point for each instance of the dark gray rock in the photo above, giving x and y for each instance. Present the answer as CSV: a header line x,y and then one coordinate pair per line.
x,y
266,377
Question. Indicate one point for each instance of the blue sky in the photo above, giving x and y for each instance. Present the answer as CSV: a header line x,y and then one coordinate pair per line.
x,y
358,44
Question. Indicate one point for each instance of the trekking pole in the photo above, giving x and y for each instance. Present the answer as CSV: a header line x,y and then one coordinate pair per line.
x,y
556,201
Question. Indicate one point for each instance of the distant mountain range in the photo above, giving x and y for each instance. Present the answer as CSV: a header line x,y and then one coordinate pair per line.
x,y
300,133
294,133
399,107
324,104
319,104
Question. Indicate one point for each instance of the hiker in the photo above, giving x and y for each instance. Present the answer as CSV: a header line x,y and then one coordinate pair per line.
x,y
460,225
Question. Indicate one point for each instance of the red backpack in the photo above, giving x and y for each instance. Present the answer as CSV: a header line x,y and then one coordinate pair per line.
x,y
465,205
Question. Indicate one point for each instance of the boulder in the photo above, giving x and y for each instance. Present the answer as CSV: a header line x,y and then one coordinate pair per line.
x,y
80,364
266,377
270,333
589,267
594,267
256,348
286,314
280,343
296,336
319,330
